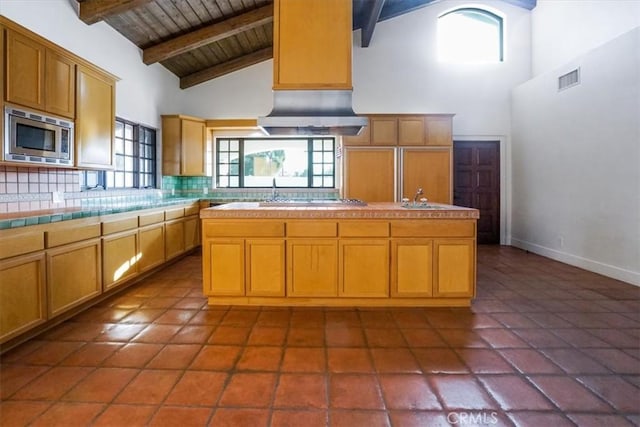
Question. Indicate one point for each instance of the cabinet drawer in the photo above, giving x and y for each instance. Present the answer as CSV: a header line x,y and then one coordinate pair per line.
x,y
433,228
191,210
364,229
62,236
111,227
311,229
173,214
19,244
244,229
150,218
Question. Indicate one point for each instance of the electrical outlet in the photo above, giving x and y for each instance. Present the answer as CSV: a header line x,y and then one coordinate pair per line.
x,y
57,197
205,190
173,192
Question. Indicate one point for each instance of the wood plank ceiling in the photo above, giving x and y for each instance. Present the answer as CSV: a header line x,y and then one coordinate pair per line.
x,y
199,40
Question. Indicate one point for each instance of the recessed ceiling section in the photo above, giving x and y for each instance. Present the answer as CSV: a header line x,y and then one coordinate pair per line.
x,y
199,40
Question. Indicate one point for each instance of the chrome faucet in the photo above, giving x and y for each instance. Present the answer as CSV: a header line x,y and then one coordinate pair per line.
x,y
274,192
419,192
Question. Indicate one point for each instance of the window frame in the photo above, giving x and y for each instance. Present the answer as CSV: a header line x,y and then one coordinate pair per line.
x,y
241,160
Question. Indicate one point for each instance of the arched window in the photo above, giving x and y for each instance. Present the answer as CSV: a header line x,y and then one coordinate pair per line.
x,y
470,35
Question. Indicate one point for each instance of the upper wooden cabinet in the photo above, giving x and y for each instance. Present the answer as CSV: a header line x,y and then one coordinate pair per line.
x,y
39,77
95,119
183,146
429,169
312,53
405,130
359,165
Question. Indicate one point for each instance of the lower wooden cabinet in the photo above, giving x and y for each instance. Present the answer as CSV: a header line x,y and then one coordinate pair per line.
x,y
120,258
174,238
364,268
151,246
412,267
191,232
223,267
312,267
454,267
22,294
73,275
265,267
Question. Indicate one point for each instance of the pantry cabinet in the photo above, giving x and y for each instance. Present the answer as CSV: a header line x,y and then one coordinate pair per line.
x,y
184,146
360,164
429,169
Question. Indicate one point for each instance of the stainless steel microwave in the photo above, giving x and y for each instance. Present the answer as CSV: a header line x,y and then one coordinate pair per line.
x,y
32,137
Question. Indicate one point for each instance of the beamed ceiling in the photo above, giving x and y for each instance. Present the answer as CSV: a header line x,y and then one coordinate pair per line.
x,y
199,40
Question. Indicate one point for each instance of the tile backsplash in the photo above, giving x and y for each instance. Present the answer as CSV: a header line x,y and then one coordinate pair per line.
x,y
32,189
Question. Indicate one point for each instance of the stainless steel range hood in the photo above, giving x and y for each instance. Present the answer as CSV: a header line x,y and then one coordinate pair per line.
x,y
312,112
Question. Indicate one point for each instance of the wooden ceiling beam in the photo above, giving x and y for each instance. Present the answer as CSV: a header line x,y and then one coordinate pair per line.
x,y
226,67
371,21
92,11
210,34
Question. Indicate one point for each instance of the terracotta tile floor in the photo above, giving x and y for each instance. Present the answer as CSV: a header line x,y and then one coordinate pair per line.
x,y
544,344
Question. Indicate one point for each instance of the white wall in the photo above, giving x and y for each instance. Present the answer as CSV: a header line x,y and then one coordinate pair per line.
x,y
143,92
562,30
576,162
399,72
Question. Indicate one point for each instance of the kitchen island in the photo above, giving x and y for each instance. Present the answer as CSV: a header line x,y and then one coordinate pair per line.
x,y
339,254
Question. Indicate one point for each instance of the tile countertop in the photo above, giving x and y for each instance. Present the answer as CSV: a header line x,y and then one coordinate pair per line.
x,y
25,218
371,210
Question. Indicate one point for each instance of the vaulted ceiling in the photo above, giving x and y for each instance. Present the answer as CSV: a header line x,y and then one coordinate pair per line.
x,y
199,40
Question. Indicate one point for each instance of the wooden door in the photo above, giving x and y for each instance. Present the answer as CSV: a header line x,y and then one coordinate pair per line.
x,y
477,184
370,174
429,169
174,238
454,268
151,249
223,267
411,267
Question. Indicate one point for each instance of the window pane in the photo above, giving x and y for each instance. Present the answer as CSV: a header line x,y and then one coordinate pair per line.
x,y
119,162
223,158
129,180
119,146
234,181
128,163
284,159
119,179
128,131
328,181
128,147
119,130
470,35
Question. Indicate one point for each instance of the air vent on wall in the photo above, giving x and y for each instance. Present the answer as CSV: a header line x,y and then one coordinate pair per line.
x,y
569,79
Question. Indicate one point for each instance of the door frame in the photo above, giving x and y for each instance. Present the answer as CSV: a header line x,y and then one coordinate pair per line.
x,y
505,180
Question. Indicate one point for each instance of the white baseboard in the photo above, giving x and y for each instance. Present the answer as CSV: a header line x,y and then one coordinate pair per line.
x,y
632,277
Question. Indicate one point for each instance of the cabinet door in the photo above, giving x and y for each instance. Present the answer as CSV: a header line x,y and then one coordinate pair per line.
x,y
384,130
307,56
60,85
312,268
412,267
25,62
429,169
22,294
95,119
194,148
73,275
438,130
223,267
364,268
119,258
411,130
360,164
151,249
174,238
191,232
265,267
455,261
363,138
